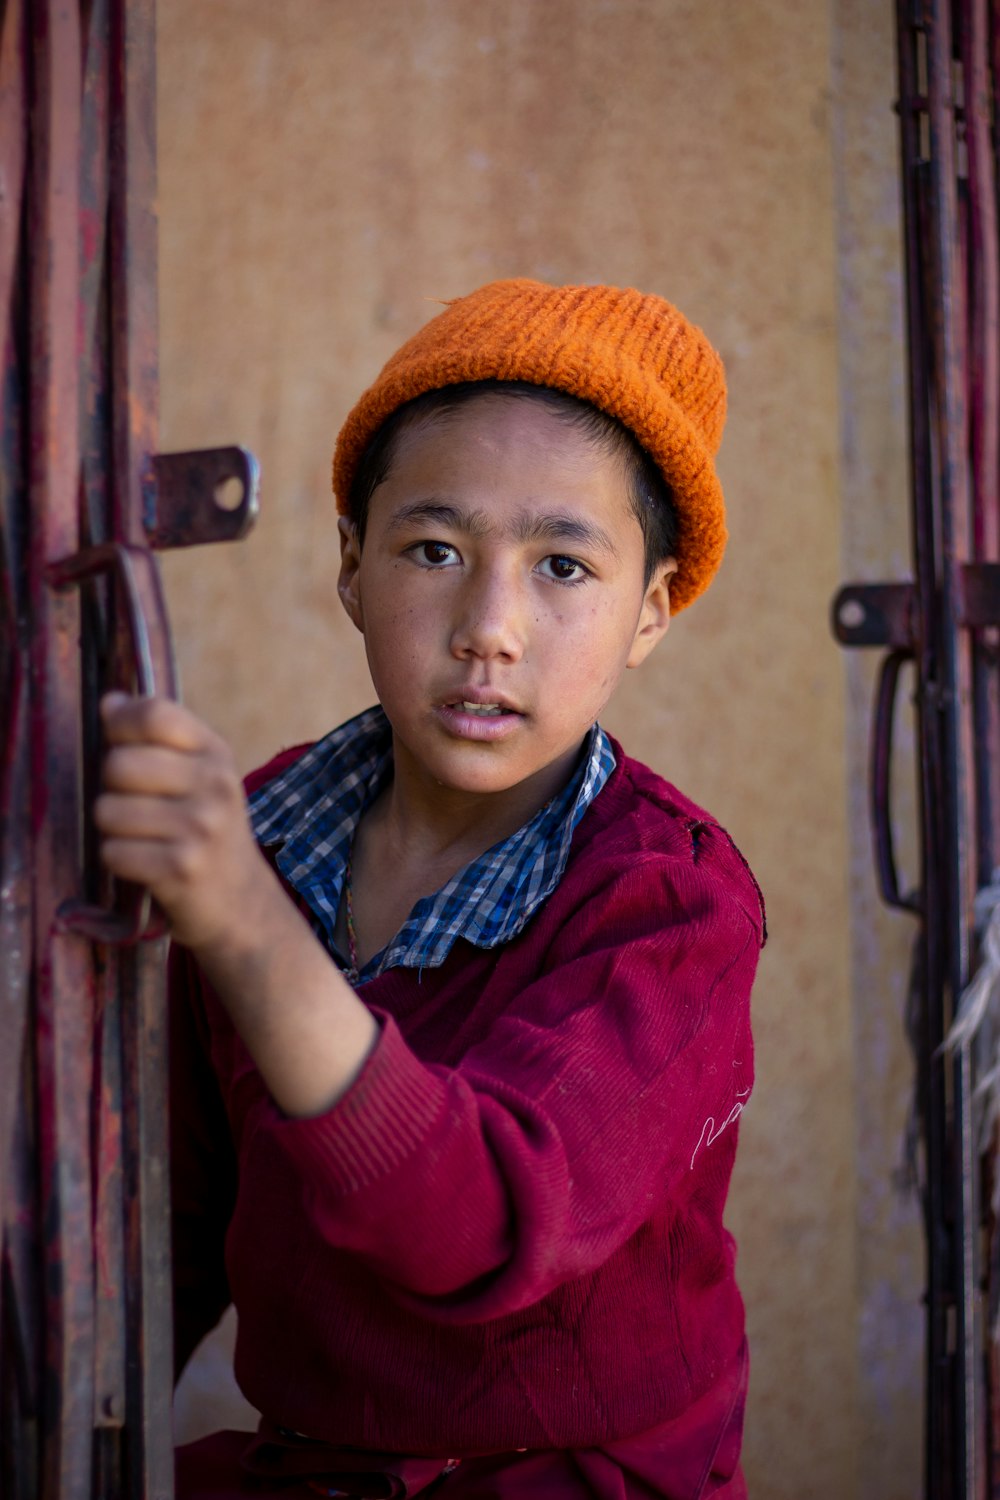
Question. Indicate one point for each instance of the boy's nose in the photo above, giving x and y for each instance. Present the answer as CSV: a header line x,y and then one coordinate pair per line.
x,y
490,621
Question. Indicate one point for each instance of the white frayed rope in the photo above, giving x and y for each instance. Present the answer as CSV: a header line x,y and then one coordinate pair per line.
x,y
977,1022
981,996
977,1017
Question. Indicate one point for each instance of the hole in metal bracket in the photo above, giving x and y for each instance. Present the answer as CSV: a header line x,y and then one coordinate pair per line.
x,y
229,492
852,614
209,495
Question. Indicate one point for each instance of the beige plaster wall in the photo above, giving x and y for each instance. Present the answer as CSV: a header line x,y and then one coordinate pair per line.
x,y
875,546
328,166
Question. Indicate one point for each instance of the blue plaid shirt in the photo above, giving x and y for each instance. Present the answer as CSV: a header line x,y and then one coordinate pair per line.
x,y
309,813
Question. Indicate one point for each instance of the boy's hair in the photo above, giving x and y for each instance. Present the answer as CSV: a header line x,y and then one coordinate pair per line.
x,y
649,494
629,354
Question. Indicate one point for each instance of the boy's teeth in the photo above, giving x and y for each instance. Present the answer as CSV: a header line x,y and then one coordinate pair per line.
x,y
482,708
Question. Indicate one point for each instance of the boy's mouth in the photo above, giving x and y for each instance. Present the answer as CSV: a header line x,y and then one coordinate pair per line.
x,y
481,706
480,718
482,710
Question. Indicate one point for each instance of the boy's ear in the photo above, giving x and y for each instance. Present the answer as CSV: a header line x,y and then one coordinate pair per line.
x,y
349,581
654,617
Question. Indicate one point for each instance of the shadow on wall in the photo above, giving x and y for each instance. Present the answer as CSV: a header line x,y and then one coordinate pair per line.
x,y
207,1396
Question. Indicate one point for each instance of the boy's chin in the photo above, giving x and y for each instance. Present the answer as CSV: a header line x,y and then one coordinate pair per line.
x,y
484,771
487,781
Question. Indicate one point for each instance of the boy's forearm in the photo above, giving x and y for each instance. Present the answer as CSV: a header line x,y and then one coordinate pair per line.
x,y
301,1022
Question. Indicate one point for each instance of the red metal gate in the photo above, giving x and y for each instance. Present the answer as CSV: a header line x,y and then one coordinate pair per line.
x,y
85,1357
946,622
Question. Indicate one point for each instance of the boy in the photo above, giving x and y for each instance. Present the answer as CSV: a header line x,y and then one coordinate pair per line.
x,y
462,1107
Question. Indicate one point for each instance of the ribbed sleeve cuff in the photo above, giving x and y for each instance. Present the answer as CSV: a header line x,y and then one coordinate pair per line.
x,y
391,1107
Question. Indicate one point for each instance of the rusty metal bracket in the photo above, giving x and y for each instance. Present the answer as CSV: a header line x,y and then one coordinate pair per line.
x,y
875,614
881,614
132,919
884,614
209,495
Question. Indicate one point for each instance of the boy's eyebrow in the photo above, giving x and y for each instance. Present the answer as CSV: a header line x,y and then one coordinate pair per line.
x,y
436,513
556,526
530,526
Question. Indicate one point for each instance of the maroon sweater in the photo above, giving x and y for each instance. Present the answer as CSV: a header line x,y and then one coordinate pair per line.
x,y
508,1233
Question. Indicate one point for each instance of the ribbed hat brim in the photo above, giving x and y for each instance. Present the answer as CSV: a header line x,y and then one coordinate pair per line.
x,y
630,354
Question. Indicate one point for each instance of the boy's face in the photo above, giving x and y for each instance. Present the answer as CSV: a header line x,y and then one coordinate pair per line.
x,y
500,593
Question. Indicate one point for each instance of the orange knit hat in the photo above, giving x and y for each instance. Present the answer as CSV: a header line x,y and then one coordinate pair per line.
x,y
633,356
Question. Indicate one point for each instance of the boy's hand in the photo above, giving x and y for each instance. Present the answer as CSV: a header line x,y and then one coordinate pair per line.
x,y
172,817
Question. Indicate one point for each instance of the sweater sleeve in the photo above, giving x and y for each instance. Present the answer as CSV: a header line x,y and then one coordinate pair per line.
x,y
597,1096
203,1170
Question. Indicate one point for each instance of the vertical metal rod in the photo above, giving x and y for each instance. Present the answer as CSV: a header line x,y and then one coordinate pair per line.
x,y
149,1459
95,392
931,1067
111,1333
948,326
13,116
15,878
64,979
109,1206
984,388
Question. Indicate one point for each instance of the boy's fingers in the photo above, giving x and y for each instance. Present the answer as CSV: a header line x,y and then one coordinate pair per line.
x,y
151,769
151,721
145,861
132,817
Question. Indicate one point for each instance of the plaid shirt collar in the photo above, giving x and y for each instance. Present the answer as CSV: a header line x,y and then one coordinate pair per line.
x,y
309,814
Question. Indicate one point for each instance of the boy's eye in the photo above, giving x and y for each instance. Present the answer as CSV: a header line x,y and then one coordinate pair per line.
x,y
563,569
434,554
